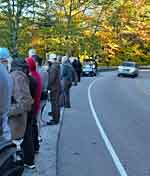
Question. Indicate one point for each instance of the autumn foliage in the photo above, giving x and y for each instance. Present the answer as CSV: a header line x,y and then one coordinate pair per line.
x,y
113,30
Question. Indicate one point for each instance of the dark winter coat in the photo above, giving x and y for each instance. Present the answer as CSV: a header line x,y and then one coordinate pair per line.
x,y
54,84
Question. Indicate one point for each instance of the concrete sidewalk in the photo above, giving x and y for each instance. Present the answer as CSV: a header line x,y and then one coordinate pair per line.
x,y
45,160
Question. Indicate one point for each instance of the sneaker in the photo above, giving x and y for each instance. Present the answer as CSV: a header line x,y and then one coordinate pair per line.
x,y
32,166
36,151
50,114
40,139
52,122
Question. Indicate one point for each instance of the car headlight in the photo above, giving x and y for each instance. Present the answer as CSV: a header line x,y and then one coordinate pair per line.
x,y
120,69
132,70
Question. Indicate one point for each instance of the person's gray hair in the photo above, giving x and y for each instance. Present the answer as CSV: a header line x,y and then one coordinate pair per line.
x,y
64,59
32,52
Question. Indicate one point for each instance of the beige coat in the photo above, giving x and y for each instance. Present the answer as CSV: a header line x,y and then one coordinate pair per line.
x,y
21,104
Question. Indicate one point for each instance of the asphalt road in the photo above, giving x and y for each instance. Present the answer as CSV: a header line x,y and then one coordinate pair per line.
x,y
122,106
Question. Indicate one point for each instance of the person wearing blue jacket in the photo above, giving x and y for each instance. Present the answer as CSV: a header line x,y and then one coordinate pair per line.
x,y
5,94
68,76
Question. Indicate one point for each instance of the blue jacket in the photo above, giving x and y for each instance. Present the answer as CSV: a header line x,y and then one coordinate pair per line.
x,y
67,72
5,102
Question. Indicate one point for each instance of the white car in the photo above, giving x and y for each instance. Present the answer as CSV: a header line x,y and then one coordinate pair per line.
x,y
128,69
89,68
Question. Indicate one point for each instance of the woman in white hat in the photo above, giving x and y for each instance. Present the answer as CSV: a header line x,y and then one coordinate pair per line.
x,y
54,86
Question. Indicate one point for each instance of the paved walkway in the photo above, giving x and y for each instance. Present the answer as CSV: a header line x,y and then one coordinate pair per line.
x,y
46,159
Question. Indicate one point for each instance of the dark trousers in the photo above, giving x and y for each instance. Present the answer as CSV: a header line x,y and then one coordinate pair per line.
x,y
35,135
79,76
67,86
55,97
27,145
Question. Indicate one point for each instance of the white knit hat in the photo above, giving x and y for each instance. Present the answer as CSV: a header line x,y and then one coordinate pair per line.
x,y
72,59
64,59
52,58
32,52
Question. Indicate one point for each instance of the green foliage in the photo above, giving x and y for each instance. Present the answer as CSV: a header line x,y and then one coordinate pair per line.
x,y
115,30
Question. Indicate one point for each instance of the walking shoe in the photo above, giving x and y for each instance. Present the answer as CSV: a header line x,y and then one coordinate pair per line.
x,y
40,139
52,122
50,113
30,166
36,151
67,106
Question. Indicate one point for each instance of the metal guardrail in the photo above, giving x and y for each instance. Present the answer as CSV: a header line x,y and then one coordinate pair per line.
x,y
107,68
145,67
113,68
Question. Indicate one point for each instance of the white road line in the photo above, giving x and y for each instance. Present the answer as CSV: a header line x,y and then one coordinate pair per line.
x,y
144,70
108,144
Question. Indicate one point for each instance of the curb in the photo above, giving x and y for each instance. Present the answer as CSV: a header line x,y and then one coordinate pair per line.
x,y
58,139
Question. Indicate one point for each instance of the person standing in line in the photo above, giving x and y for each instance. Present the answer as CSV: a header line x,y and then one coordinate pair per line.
x,y
44,95
68,76
21,100
44,76
54,86
32,53
28,137
74,73
78,68
5,94
32,68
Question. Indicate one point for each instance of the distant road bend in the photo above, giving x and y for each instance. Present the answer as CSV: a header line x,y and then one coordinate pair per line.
x,y
107,131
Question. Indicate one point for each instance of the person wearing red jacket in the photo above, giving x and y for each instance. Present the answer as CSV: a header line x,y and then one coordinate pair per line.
x,y
32,68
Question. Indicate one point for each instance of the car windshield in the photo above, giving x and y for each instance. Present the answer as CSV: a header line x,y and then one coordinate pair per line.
x,y
128,64
87,66
89,62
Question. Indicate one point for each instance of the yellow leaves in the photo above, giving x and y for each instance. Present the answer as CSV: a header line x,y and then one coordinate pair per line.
x,y
87,33
106,29
138,53
61,14
129,29
112,49
105,36
138,2
143,29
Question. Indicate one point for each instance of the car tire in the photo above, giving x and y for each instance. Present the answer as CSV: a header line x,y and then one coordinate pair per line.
x,y
119,75
133,76
91,74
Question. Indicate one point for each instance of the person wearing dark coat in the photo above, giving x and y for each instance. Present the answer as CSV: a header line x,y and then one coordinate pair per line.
x,y
78,68
28,152
37,99
29,133
68,76
21,99
54,86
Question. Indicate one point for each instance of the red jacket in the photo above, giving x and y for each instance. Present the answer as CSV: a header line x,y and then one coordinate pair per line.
x,y
36,75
